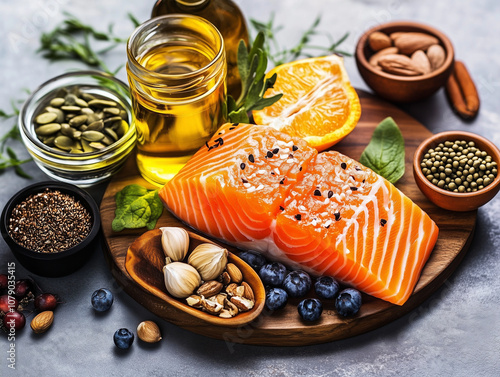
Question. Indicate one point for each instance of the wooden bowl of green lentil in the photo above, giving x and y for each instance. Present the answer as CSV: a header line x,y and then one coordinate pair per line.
x,y
457,170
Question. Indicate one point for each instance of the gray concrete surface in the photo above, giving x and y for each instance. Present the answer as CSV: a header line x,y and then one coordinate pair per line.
x,y
454,333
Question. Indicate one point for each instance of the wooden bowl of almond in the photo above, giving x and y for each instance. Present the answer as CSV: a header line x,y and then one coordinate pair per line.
x,y
404,61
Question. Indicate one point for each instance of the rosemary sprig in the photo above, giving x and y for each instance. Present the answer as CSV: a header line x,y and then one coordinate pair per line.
x,y
73,40
303,48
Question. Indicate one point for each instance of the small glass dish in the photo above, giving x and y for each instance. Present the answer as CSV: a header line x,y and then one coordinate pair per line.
x,y
84,169
56,263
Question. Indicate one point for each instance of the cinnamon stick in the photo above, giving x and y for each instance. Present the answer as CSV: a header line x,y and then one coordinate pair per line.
x,y
462,92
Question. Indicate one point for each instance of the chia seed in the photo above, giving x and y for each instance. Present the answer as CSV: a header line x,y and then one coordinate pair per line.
x,y
49,222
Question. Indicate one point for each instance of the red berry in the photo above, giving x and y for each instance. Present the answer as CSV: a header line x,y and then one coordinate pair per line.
x,y
3,281
45,301
7,302
22,288
14,320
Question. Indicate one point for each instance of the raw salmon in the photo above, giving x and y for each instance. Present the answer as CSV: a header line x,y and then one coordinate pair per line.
x,y
261,189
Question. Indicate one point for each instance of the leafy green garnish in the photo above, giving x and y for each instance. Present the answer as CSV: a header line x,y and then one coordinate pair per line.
x,y
303,48
72,38
252,67
385,154
136,207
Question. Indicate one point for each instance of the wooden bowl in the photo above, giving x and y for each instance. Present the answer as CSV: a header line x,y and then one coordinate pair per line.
x,y
403,88
145,260
454,201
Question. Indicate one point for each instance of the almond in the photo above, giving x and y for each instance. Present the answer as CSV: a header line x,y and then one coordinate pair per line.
x,y
396,34
421,61
436,56
378,41
386,51
398,64
248,293
42,322
242,303
234,273
408,43
209,289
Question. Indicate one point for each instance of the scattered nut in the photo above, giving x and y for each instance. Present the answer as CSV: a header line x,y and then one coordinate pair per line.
x,y
194,301
211,306
225,278
148,332
234,273
248,291
42,321
220,298
224,313
210,288
231,289
242,303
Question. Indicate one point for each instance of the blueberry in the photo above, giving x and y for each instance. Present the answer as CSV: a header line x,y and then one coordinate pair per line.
x,y
276,298
326,287
123,338
310,309
102,299
254,259
297,283
348,302
272,274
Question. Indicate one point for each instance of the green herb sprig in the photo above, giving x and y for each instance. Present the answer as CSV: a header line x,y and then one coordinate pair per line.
x,y
136,207
252,67
385,153
303,48
72,40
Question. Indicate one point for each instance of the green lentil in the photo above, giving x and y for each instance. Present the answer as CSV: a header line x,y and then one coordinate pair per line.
x,y
458,166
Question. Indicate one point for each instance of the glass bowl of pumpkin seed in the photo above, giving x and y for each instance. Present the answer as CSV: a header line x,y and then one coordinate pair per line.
x,y
78,127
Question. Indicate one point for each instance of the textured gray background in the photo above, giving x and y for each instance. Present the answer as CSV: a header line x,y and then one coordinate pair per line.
x,y
456,332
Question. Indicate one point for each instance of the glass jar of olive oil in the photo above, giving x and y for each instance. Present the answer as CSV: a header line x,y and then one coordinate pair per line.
x,y
176,69
226,17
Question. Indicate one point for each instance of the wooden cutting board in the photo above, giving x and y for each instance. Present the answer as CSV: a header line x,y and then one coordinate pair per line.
x,y
284,328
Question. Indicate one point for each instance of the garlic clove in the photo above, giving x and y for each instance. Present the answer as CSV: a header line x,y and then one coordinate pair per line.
x,y
210,260
181,279
175,242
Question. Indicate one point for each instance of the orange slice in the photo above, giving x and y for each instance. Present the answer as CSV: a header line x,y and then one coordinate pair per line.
x,y
318,104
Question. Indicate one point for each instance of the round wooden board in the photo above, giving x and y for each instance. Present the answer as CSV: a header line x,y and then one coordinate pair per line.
x,y
284,328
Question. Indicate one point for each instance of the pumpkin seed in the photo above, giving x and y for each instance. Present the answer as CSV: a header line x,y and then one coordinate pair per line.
x,y
59,150
92,136
97,145
75,151
87,97
86,146
57,102
66,130
112,120
80,102
77,134
96,126
46,118
122,129
71,108
83,128
62,92
70,116
64,142
91,118
70,100
49,141
86,111
101,103
124,115
111,110
77,121
48,129
107,140
111,133
58,112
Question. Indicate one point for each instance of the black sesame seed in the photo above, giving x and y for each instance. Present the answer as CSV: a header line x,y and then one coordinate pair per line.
x,y
295,148
298,216
251,159
317,192
282,181
282,208
363,181
343,165
276,150
337,216
273,173
269,154
354,188
242,166
328,226
300,169
357,168
290,155
219,141
235,124
230,129
383,222
206,143
330,194
244,180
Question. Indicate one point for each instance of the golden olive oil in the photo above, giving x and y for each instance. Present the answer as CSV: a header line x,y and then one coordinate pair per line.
x,y
177,105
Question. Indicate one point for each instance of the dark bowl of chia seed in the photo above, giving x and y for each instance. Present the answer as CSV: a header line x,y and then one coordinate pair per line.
x,y
51,227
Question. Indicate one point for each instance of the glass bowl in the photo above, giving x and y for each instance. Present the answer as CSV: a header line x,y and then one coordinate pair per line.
x,y
83,169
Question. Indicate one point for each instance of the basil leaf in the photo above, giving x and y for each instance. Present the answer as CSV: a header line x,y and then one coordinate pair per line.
x,y
136,207
385,154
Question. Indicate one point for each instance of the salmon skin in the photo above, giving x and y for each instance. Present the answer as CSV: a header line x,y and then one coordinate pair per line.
x,y
258,188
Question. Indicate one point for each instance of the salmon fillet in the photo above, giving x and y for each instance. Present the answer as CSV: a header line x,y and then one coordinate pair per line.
x,y
261,189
